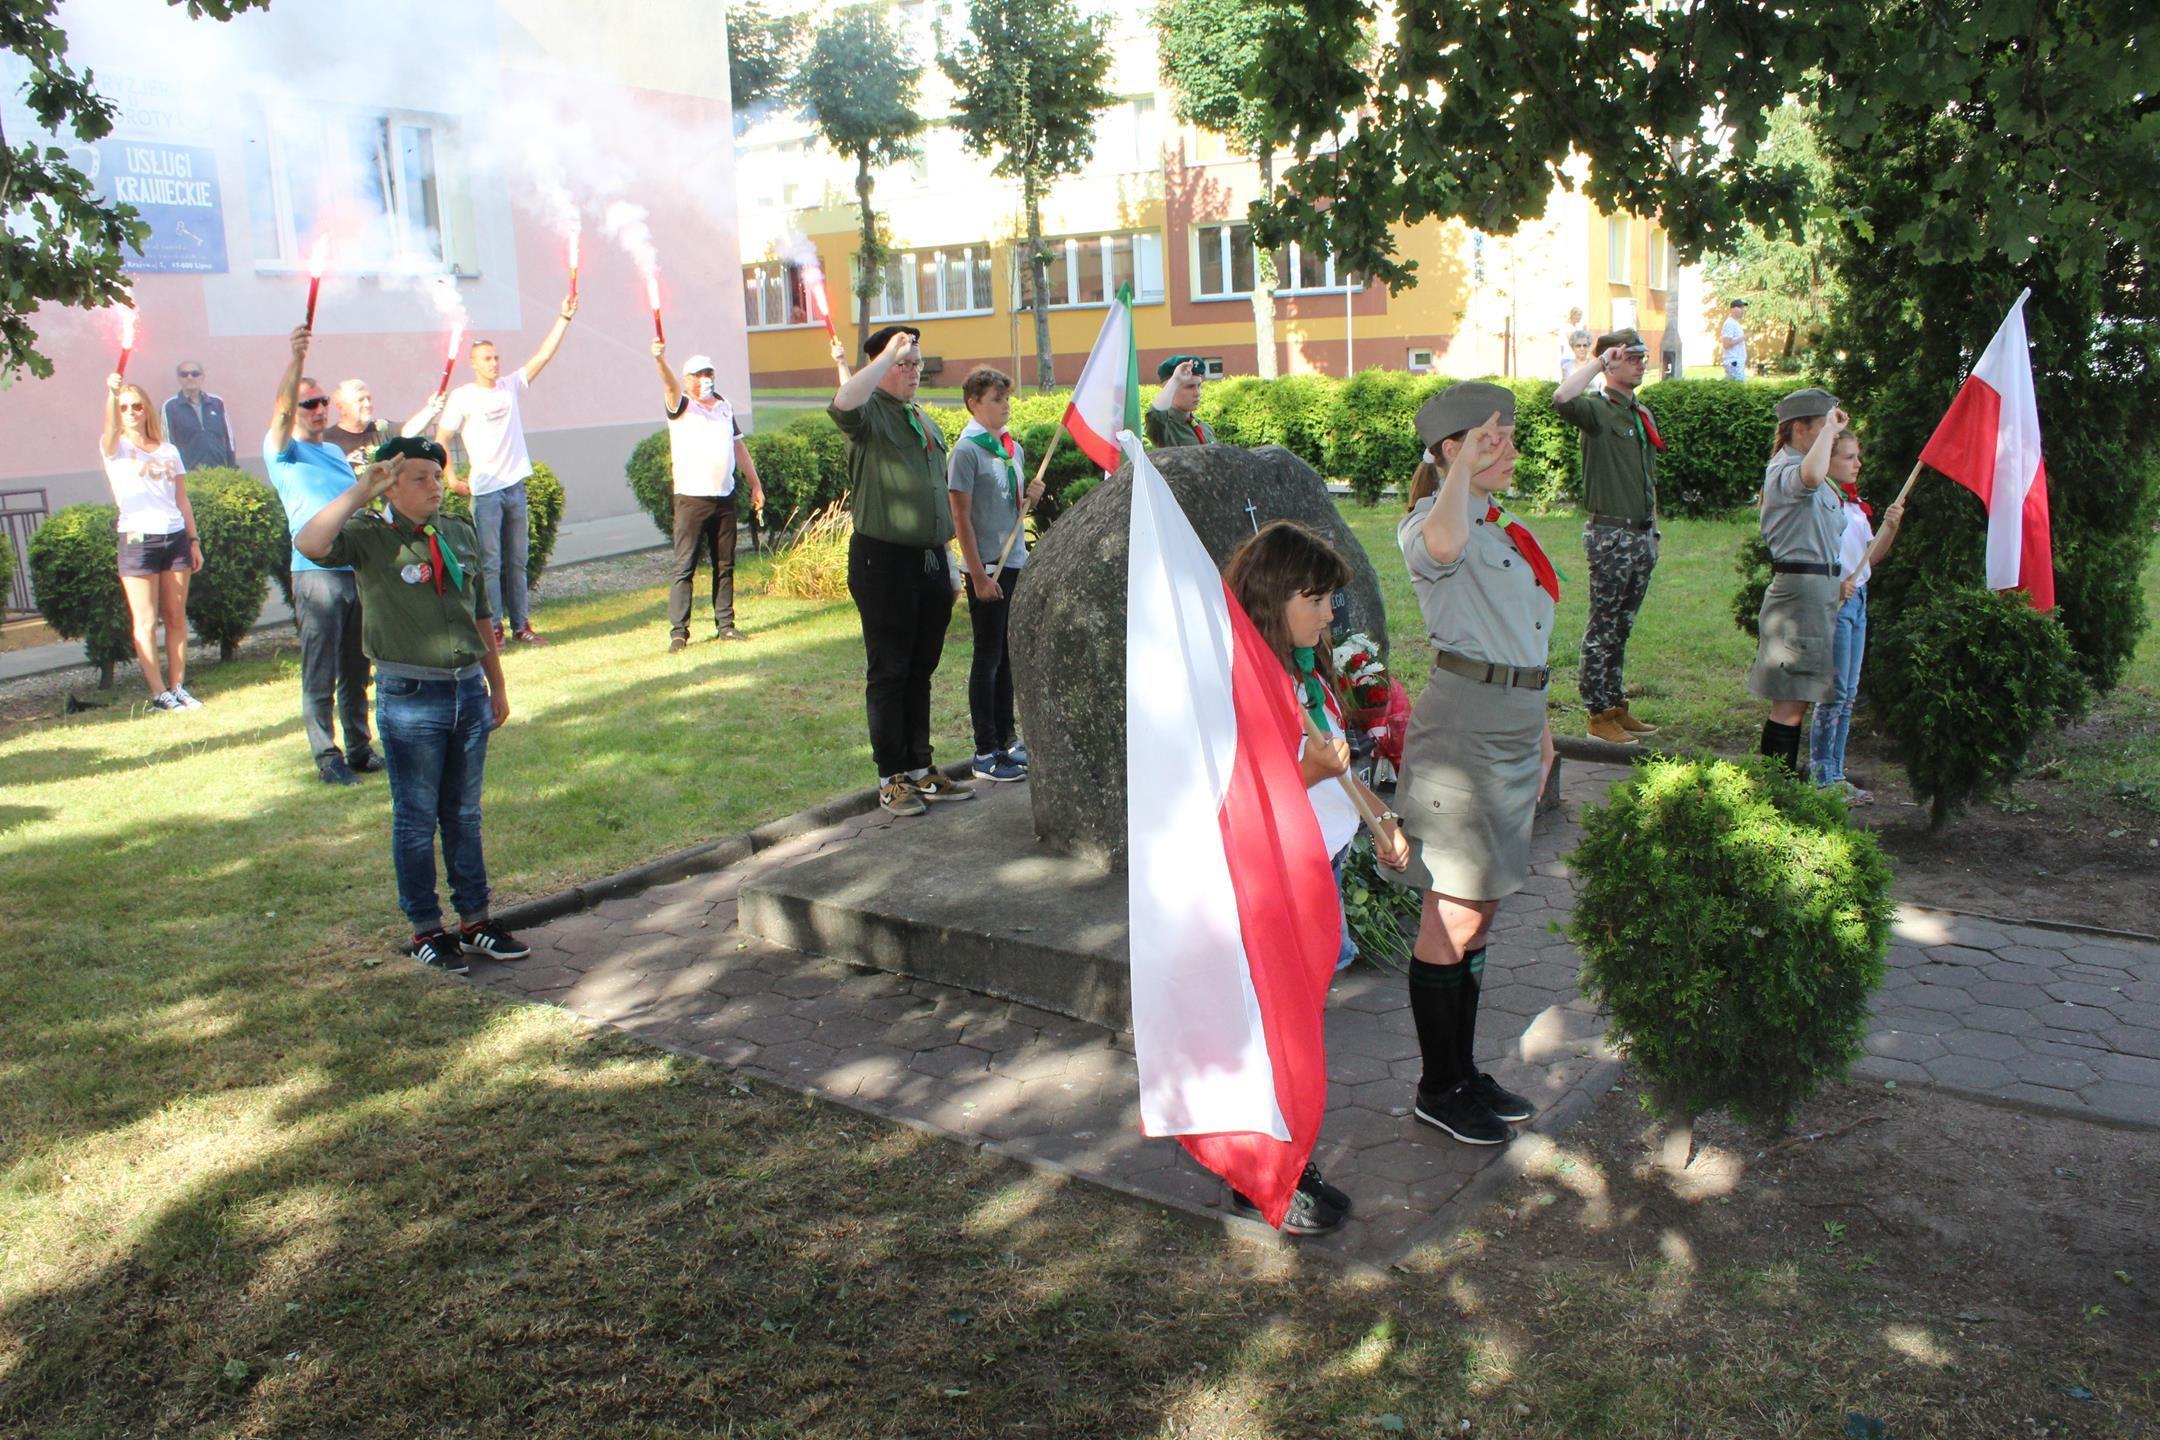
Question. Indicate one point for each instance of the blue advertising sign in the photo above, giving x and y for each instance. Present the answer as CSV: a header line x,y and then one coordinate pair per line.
x,y
174,189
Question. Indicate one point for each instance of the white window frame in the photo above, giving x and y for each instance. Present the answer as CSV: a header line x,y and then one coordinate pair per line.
x,y
787,279
293,248
910,262
1619,258
1225,231
1106,244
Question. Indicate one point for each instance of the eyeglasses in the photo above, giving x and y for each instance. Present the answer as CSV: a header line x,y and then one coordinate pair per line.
x,y
907,365
135,405
191,374
315,404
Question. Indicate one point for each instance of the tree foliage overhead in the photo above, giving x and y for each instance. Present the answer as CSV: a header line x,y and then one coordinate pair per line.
x,y
1788,281
762,52
59,245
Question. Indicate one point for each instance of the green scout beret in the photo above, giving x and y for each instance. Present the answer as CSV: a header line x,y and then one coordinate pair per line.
x,y
415,447
1462,407
1805,405
1169,367
1628,338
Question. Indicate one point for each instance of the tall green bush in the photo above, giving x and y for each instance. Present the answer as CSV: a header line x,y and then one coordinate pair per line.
x,y
75,575
1733,923
1718,435
544,505
1549,473
652,482
789,467
242,529
7,563
1968,679
1752,560
1373,442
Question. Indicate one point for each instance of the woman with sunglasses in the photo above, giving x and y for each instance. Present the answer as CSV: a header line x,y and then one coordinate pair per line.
x,y
158,548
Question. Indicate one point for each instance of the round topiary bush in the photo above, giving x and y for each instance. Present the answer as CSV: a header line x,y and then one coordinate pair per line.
x,y
75,575
1732,922
242,528
1753,562
788,467
544,505
652,482
1373,443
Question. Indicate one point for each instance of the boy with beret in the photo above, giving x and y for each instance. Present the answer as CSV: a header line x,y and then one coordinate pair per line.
x,y
1170,421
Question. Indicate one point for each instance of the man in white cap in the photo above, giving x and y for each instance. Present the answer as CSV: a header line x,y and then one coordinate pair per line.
x,y
705,446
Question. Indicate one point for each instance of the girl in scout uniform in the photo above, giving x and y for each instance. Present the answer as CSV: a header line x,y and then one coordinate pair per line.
x,y
1474,755
1802,526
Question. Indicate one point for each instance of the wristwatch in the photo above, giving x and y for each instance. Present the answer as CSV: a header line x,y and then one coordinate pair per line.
x,y
1388,815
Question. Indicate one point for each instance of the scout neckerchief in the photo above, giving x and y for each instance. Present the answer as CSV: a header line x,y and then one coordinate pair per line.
x,y
1646,430
1000,447
1541,569
1852,493
446,561
1312,690
1199,434
916,425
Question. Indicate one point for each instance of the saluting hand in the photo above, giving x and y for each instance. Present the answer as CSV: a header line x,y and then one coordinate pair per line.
x,y
376,480
1485,443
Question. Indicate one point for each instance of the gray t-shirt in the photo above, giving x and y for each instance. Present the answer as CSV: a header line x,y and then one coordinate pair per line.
x,y
1486,606
992,487
1801,526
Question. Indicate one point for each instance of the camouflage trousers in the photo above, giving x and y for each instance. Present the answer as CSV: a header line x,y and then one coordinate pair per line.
x,y
1620,564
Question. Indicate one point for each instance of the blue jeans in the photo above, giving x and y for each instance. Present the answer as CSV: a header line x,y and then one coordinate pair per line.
x,y
503,519
434,736
1833,717
1348,953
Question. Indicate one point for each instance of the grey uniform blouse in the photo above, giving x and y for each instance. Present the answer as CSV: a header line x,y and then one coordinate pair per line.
x,y
1486,606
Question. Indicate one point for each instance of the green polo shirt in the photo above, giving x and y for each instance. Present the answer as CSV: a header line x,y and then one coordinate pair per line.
x,y
402,619
1619,464
1168,429
896,471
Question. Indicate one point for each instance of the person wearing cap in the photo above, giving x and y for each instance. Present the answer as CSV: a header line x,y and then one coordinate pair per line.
x,y
1733,336
1474,753
1620,445
439,686
705,449
1170,420
898,574
1803,527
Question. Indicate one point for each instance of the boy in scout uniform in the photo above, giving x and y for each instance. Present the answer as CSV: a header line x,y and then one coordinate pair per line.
x,y
439,689
1802,525
1473,755
896,562
1170,421
1620,442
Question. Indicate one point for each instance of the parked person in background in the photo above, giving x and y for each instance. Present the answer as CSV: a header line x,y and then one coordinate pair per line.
x,y
1860,547
158,548
1732,335
1170,421
487,414
1802,526
986,486
308,473
705,452
358,433
196,423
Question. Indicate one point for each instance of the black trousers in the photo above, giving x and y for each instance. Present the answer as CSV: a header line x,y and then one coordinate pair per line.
x,y
334,671
904,597
990,677
702,520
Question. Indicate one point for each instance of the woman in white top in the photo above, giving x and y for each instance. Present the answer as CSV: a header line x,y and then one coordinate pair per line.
x,y
158,548
1860,546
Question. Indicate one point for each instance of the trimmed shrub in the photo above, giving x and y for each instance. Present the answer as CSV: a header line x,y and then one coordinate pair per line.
x,y
788,466
828,450
1733,923
653,483
1373,442
242,528
7,563
1549,474
1718,435
1753,563
1297,412
1969,678
75,575
544,504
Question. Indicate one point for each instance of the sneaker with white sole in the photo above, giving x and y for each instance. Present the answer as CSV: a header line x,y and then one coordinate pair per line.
x,y
1017,752
898,796
187,701
439,951
1502,1102
936,787
491,940
998,767
166,700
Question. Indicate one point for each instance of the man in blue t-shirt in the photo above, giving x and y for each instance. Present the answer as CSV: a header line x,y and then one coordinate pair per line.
x,y
309,473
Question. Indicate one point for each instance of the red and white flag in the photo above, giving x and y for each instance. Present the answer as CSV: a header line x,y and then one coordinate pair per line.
x,y
1990,444
1235,918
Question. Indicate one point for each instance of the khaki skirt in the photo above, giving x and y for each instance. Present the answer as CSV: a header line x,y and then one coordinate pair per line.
x,y
1798,624
1469,785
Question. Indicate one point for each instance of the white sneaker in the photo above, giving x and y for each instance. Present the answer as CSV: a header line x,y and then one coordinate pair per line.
x,y
166,700
187,701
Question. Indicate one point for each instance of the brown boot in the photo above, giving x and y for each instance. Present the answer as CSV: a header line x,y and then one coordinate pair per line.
x,y
1632,725
1606,726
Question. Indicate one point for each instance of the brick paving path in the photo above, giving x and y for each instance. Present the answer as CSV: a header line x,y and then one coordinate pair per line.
x,y
2007,1011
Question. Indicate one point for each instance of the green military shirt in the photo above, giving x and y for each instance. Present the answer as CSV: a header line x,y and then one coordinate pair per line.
x,y
1619,464
1168,429
896,470
402,619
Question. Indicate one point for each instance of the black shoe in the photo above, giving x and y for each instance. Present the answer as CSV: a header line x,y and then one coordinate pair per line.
x,y
367,762
1308,1214
729,632
1334,1195
1462,1115
679,644
1504,1103
336,772
490,939
439,951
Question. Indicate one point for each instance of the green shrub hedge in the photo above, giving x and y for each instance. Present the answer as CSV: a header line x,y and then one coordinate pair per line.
x,y
544,505
242,529
7,563
1718,435
75,575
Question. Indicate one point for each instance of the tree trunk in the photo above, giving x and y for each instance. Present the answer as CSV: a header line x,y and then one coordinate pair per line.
x,y
868,280
1038,285
227,649
1263,290
105,675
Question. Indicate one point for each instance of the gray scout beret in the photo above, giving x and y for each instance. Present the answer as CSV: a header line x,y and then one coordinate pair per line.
x,y
1461,407
1805,404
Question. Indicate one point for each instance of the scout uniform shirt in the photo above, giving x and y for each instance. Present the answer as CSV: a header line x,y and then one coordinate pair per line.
x,y
993,478
410,613
1619,460
1799,525
1168,429
1486,606
896,469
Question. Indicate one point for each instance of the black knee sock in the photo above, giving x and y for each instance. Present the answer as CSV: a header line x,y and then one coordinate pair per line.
x,y
1782,742
1473,967
1436,1006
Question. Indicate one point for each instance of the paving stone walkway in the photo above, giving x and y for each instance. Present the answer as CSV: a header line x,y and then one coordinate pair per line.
x,y
2004,1011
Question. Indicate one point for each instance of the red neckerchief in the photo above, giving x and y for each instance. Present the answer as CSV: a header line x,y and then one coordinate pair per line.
x,y
1644,420
1852,493
434,545
1541,569
1198,434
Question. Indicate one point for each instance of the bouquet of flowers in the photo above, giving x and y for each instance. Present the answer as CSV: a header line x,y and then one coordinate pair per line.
x,y
1374,702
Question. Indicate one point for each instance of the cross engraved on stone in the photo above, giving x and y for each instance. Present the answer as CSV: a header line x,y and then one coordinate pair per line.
x,y
1252,513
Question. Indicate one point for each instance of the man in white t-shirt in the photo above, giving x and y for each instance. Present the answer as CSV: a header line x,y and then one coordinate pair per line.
x,y
487,414
1733,336
705,447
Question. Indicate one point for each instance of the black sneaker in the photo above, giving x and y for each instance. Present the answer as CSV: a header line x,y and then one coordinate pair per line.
x,y
1309,1214
367,762
336,772
1462,1115
439,951
678,644
1332,1194
729,632
490,939
1504,1103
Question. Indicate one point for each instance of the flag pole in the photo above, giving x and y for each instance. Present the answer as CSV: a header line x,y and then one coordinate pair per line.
x,y
1370,816
1910,480
1027,509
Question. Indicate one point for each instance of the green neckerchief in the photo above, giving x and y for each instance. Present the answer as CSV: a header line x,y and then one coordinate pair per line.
x,y
915,424
445,558
997,451
1309,683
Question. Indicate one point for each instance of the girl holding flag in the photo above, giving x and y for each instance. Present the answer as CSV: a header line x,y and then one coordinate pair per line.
x,y
985,485
1859,547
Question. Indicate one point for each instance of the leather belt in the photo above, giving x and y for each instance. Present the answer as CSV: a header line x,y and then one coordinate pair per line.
x,y
1797,567
1486,673
1621,522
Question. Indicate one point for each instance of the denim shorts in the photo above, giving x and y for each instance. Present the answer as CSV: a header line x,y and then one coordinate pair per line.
x,y
142,554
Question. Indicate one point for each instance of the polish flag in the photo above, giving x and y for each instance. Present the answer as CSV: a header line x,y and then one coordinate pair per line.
x,y
1235,919
1107,397
1990,444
